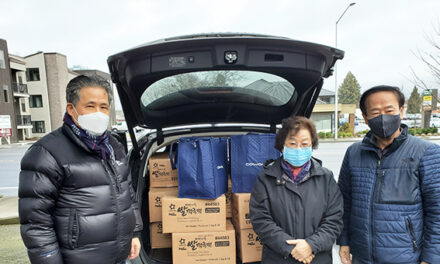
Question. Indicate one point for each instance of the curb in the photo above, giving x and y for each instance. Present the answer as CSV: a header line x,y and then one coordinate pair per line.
x,y
9,211
10,221
331,140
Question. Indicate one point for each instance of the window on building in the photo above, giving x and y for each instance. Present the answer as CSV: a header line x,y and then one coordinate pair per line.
x,y
35,101
23,107
6,93
32,74
38,127
2,60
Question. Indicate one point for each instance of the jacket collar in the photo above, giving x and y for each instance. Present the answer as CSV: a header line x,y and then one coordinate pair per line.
x,y
117,147
367,142
274,168
71,135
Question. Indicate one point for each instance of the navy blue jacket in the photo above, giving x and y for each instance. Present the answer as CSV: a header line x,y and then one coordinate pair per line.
x,y
392,201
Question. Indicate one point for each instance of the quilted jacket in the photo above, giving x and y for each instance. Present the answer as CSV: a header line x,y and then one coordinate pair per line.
x,y
73,206
392,201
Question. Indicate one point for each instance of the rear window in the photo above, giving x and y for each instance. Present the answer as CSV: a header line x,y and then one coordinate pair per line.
x,y
217,87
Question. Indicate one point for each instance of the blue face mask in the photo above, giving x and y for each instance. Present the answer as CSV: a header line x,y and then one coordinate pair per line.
x,y
297,156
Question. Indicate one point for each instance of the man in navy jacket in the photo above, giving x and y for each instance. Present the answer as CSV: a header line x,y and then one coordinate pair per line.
x,y
390,183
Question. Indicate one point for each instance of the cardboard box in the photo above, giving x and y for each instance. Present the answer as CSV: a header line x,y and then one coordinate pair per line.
x,y
161,173
193,215
240,210
158,238
229,199
205,247
250,248
155,201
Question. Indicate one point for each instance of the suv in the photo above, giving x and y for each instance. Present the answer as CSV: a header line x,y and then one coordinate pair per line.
x,y
211,85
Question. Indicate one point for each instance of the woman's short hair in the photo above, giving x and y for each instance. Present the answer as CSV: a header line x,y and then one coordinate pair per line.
x,y
294,124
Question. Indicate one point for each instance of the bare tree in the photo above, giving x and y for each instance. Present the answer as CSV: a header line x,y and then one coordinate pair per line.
x,y
431,60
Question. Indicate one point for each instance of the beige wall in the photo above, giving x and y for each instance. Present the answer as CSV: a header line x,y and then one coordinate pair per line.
x,y
342,108
39,88
57,79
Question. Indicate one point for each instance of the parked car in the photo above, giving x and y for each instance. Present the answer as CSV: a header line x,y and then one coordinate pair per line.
x,y
412,122
435,122
360,127
120,126
212,85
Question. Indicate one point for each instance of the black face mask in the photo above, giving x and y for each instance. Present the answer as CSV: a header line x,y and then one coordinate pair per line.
x,y
384,126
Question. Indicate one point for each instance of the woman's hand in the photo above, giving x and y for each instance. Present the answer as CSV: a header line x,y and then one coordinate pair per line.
x,y
344,253
135,248
302,250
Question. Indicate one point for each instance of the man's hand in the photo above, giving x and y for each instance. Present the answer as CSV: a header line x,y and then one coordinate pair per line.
x,y
424,262
302,250
135,248
344,253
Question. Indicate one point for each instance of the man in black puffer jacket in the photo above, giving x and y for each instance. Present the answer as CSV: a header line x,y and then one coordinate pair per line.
x,y
76,202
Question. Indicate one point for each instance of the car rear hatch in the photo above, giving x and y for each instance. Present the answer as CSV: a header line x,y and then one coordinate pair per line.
x,y
213,79
219,78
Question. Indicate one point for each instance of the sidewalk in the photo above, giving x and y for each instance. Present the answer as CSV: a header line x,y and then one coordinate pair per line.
x,y
9,211
19,144
356,139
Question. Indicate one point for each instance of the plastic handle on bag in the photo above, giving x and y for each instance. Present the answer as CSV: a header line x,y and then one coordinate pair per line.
x,y
173,160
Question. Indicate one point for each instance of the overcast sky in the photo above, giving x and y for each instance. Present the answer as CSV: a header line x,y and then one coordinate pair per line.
x,y
378,36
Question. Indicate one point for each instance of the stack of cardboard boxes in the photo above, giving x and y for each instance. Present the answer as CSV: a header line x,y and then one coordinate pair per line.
x,y
196,230
200,232
250,248
163,182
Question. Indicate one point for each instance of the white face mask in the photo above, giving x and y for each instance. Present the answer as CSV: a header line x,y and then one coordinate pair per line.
x,y
94,123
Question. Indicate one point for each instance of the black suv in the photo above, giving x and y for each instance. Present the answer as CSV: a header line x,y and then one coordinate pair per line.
x,y
212,85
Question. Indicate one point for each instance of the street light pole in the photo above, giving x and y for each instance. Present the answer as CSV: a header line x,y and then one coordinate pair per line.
x,y
336,73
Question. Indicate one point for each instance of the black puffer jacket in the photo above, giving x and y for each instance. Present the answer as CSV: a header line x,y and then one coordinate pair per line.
x,y
73,206
281,210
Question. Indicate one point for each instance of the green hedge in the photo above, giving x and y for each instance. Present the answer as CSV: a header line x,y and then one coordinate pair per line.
x,y
325,135
419,131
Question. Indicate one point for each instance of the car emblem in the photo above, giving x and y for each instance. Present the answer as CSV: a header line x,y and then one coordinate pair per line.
x,y
231,57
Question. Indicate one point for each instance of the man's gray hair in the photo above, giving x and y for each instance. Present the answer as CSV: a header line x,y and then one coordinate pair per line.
x,y
81,81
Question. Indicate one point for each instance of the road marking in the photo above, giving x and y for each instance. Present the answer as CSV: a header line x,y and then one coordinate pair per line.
x,y
8,188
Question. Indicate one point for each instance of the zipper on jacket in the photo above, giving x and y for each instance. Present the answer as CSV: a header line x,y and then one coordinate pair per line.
x,y
118,213
112,175
75,229
72,235
375,187
410,228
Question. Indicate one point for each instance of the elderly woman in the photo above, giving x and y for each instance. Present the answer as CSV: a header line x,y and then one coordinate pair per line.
x,y
296,207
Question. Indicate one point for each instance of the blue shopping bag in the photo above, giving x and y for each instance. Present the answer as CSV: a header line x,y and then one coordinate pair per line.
x,y
202,166
248,154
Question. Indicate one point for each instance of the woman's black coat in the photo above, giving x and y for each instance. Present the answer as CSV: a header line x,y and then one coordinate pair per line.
x,y
281,210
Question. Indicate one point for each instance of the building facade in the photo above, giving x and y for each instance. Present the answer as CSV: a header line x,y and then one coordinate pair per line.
x,y
39,94
21,97
8,126
33,93
324,112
